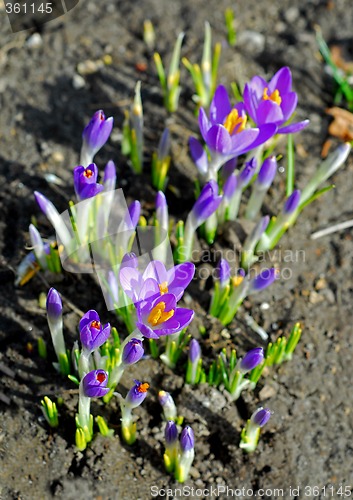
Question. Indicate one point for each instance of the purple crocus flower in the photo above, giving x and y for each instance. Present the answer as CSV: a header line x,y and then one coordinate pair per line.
x,y
199,156
155,280
292,202
109,179
134,210
223,272
267,173
136,394
206,204
94,384
96,133
170,433
92,333
230,186
133,352
85,182
225,131
247,173
251,359
264,279
187,439
54,305
261,416
194,351
273,102
161,316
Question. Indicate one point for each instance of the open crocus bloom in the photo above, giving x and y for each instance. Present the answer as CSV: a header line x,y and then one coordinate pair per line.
x,y
273,102
85,181
92,332
225,130
161,316
155,280
226,133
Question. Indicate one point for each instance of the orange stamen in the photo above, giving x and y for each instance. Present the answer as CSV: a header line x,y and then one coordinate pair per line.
x,y
234,123
143,387
163,287
96,325
88,173
275,96
236,280
157,316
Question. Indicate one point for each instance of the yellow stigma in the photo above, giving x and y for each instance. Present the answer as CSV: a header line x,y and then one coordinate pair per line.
x,y
88,173
275,96
234,123
158,316
163,287
236,280
96,324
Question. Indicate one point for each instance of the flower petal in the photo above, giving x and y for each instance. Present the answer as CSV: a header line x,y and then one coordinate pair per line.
x,y
241,142
156,270
269,112
288,105
281,81
265,132
204,123
294,127
179,277
199,155
218,139
220,106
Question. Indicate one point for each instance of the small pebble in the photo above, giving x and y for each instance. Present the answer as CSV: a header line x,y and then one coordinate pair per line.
x,y
251,41
291,14
34,41
265,306
78,82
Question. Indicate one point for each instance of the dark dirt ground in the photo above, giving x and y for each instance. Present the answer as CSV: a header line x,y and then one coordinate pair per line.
x,y
308,441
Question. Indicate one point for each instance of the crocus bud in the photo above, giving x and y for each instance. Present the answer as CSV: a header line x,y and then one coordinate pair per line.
x,y
162,210
194,351
206,204
168,405
229,167
134,214
94,384
170,433
199,156
251,432
261,416
223,272
109,179
38,246
187,453
92,333
133,352
55,218
164,145
54,305
230,186
263,280
129,260
85,182
247,172
136,394
251,359
267,173
95,135
55,323
187,439
292,203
